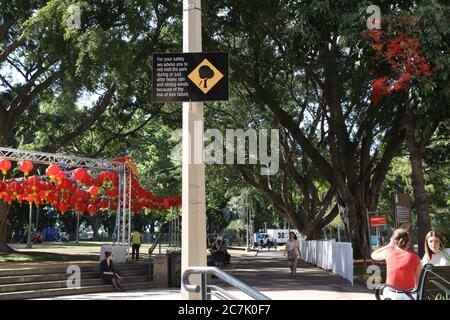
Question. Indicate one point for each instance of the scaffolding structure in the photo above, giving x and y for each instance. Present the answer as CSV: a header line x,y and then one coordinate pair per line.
x,y
122,230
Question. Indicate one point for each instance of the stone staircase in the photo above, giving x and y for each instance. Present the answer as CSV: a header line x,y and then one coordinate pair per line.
x,y
51,281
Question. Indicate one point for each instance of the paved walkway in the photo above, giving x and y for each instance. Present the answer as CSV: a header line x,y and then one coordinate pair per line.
x,y
267,272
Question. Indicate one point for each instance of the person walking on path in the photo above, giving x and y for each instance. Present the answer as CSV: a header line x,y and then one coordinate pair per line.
x,y
292,248
403,267
136,238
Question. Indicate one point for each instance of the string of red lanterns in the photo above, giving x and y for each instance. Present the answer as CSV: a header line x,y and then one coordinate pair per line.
x,y
82,193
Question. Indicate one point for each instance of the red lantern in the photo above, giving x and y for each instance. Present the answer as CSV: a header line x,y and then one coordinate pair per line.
x,y
65,185
34,183
52,171
93,191
22,197
30,198
60,176
51,197
3,187
80,174
8,198
65,197
5,165
15,188
92,209
25,167
113,205
89,181
63,207
104,203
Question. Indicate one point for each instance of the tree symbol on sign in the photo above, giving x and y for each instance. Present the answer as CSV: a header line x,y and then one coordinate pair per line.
x,y
205,73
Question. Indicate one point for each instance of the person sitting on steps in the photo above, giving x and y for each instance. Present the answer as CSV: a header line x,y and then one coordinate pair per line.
x,y
109,274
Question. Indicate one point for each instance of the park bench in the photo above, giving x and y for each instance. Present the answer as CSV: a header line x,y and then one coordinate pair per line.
x,y
434,284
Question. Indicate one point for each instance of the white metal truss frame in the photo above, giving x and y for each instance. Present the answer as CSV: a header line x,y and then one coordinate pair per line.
x,y
122,229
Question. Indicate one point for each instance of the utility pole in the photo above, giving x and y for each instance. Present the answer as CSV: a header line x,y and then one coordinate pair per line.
x,y
193,251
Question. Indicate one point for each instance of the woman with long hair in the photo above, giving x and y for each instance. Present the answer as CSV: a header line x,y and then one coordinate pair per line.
x,y
435,252
403,266
292,248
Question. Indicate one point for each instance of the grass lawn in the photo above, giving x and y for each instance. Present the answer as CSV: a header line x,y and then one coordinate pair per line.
x,y
62,251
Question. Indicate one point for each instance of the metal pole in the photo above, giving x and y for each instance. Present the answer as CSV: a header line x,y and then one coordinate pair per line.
x,y
124,208
193,241
119,207
29,244
78,227
204,287
129,217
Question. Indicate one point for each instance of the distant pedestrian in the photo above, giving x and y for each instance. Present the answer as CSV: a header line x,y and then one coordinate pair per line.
x,y
136,239
435,251
292,248
402,266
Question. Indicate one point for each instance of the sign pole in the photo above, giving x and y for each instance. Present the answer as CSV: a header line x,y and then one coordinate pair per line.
x,y
29,244
193,242
368,231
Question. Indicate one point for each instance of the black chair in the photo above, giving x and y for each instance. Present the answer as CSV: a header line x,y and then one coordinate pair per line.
x,y
434,284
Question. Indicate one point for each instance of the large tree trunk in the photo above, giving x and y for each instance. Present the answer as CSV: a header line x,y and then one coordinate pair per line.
x,y
312,233
416,151
4,211
4,207
354,217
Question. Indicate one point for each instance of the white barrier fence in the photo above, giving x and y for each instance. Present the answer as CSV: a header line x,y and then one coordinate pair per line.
x,y
329,255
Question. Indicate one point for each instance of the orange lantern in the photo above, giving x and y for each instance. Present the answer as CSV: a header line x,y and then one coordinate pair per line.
x,y
5,165
25,167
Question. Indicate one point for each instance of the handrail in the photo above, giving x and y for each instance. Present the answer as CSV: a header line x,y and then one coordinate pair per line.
x,y
203,271
221,292
154,244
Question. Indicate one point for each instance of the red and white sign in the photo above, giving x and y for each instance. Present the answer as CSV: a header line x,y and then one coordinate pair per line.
x,y
378,221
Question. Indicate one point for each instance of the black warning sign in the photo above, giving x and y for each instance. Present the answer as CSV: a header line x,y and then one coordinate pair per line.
x,y
188,77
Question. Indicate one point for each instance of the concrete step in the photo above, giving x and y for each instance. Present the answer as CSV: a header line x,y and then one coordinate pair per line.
x,y
62,284
62,269
63,276
32,294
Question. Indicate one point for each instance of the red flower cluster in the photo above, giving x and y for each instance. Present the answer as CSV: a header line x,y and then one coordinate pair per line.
x,y
81,193
403,55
